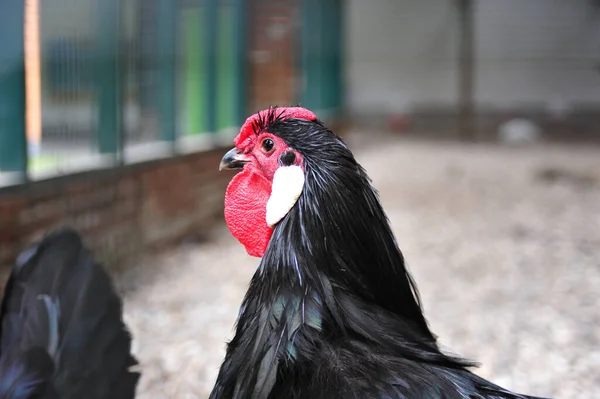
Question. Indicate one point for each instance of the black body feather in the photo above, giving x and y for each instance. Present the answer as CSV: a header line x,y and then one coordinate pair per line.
x,y
62,333
332,311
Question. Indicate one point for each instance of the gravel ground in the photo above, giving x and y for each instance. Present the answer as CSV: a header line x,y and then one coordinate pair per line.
x,y
504,244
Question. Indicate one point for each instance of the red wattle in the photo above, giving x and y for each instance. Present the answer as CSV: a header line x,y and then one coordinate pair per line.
x,y
245,210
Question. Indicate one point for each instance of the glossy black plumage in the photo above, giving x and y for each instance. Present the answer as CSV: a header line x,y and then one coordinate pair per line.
x,y
62,333
332,311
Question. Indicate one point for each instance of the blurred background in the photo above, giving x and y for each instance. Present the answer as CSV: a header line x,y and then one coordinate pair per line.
x,y
478,120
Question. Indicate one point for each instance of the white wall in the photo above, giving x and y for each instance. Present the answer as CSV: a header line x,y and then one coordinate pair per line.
x,y
528,51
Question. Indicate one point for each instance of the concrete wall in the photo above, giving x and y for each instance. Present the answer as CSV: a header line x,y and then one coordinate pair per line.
x,y
398,52
403,52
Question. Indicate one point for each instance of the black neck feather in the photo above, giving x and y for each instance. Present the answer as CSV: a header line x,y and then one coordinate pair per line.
x,y
338,229
332,257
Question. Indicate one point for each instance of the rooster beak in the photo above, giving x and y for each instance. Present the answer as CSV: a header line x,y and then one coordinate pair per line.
x,y
233,160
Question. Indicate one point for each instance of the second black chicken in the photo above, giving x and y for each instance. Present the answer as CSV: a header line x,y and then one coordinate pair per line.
x,y
62,332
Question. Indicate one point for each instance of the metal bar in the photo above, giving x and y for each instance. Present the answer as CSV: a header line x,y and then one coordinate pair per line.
x,y
13,147
167,43
108,85
193,69
148,17
339,55
33,76
466,59
325,53
304,91
212,17
311,54
241,13
329,26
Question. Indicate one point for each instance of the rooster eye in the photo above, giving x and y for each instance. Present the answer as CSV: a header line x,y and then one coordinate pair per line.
x,y
267,145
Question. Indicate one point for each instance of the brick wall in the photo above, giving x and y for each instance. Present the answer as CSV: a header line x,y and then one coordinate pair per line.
x,y
121,213
273,49
273,30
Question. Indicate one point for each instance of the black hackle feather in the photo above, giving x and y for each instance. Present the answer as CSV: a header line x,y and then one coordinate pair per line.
x,y
62,333
332,311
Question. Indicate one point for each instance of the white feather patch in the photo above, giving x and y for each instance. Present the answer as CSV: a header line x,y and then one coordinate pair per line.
x,y
288,183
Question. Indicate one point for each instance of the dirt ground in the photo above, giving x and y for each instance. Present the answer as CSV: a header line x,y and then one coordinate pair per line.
x,y
504,244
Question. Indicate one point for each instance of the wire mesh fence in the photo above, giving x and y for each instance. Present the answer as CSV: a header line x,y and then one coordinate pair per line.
x,y
110,82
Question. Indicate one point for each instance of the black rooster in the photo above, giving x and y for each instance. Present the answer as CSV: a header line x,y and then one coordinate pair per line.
x,y
62,334
332,311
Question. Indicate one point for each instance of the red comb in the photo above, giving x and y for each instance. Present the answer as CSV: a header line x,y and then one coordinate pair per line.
x,y
248,128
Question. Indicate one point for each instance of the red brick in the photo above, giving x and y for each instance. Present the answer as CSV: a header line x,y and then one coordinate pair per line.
x,y
123,214
273,82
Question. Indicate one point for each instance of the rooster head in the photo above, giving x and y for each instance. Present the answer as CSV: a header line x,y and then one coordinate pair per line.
x,y
270,181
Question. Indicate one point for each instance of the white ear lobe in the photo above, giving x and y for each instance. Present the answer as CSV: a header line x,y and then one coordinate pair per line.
x,y
288,183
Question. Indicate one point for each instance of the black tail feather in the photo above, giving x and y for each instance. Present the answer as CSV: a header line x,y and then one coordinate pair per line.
x,y
61,305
